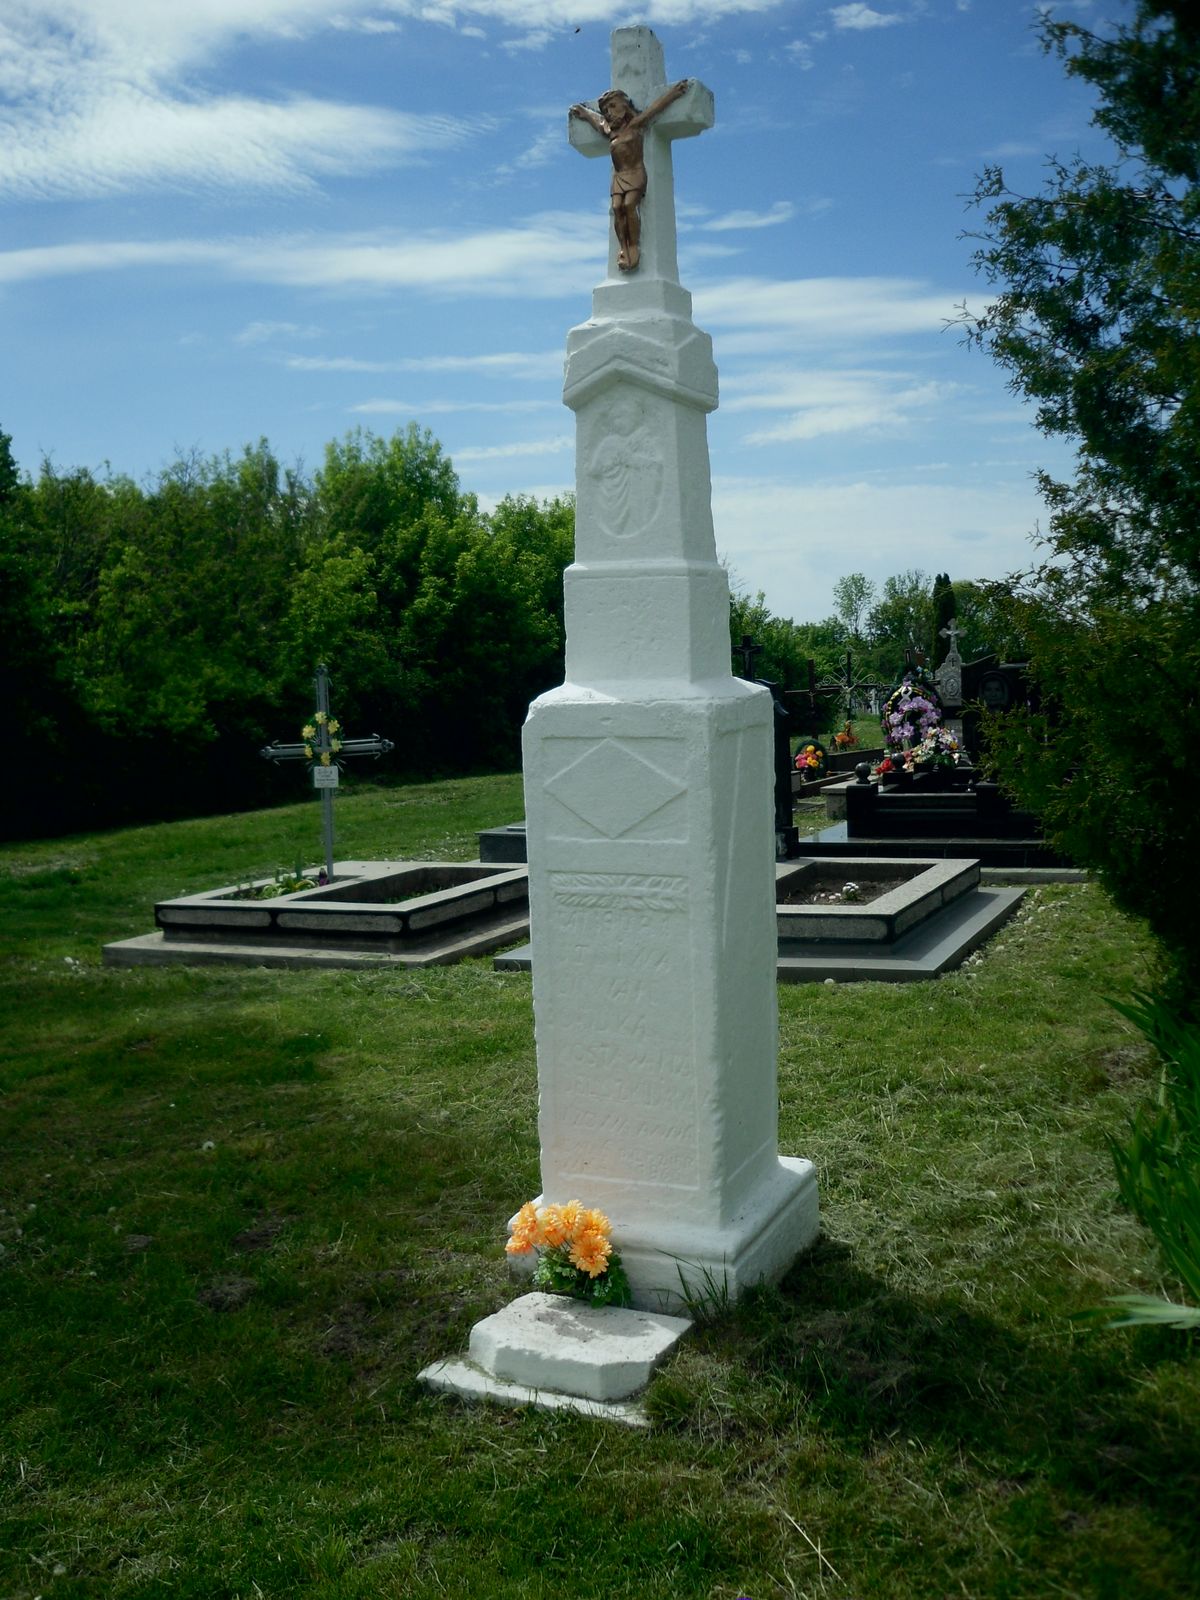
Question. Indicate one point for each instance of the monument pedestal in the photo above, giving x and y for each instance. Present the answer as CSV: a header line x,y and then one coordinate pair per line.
x,y
652,903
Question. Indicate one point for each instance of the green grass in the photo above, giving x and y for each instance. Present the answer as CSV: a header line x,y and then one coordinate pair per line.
x,y
242,1208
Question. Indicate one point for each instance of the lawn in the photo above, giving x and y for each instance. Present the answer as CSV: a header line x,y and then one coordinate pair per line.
x,y
241,1208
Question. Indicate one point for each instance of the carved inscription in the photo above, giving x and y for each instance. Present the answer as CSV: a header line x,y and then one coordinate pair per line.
x,y
624,1094
619,891
624,467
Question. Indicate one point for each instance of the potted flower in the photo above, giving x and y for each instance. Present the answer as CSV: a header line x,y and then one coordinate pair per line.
x,y
810,761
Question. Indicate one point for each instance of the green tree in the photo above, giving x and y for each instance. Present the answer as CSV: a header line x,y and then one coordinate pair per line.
x,y
944,609
787,646
853,596
986,627
1094,316
900,622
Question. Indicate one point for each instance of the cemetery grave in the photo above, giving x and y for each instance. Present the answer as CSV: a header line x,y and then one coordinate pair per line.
x,y
953,814
372,913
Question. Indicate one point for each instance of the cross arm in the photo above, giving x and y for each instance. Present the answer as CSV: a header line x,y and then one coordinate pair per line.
x,y
692,112
374,746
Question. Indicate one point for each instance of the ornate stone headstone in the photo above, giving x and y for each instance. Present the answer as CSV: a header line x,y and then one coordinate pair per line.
x,y
648,798
948,681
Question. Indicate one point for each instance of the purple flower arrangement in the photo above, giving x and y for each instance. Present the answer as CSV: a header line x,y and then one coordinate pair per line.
x,y
911,714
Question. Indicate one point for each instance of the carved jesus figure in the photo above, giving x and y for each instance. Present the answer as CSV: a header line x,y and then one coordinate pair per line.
x,y
623,125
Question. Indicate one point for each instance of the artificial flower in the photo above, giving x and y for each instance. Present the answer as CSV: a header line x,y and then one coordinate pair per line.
x,y
524,1235
590,1252
553,1228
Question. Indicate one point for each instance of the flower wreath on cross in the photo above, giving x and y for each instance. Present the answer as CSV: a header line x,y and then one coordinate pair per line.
x,y
321,754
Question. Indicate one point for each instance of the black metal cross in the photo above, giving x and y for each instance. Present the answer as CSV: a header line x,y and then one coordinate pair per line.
x,y
326,750
748,651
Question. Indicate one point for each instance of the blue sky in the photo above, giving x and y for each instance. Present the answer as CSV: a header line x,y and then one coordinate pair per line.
x,y
228,219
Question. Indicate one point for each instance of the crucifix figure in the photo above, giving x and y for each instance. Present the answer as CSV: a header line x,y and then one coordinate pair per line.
x,y
638,141
623,125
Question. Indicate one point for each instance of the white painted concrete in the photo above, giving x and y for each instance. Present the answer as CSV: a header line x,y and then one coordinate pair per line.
x,y
648,783
598,1352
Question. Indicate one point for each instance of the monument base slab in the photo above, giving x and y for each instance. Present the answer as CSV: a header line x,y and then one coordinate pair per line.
x,y
553,1352
683,1268
469,1382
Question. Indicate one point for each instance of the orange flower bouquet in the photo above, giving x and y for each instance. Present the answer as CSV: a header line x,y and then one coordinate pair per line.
x,y
575,1253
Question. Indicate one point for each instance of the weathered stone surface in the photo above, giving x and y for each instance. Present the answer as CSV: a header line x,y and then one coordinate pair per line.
x,y
546,1341
469,1382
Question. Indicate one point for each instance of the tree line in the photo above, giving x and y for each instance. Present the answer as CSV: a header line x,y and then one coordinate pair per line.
x,y
154,636
883,628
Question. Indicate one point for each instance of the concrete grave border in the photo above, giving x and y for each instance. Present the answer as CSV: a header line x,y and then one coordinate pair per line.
x,y
346,923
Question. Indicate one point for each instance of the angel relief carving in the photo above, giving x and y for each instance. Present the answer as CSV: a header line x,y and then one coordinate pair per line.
x,y
624,469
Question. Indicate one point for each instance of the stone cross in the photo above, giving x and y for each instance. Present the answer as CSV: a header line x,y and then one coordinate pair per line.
x,y
638,69
320,746
650,827
949,676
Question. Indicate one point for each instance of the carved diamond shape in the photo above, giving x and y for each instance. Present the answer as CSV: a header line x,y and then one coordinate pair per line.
x,y
611,789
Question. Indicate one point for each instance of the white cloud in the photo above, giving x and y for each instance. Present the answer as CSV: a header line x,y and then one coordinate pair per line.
x,y
261,332
860,17
70,260
527,447
821,309
103,97
534,365
546,147
547,255
821,403
364,24
405,408
795,540
781,211
125,139
108,96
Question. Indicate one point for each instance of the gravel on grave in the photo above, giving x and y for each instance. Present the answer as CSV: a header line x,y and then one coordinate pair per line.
x,y
826,893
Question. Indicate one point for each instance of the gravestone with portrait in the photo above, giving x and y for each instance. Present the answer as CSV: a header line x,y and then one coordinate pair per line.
x,y
648,785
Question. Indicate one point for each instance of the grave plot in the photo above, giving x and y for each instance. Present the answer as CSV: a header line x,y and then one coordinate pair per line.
x,y
930,915
373,913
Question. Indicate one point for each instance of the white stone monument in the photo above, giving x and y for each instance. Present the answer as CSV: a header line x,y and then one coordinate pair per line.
x,y
648,793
